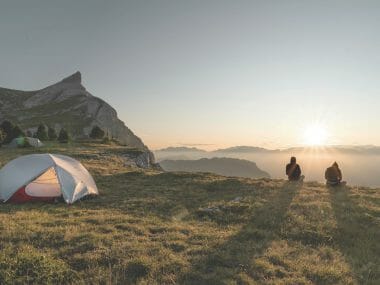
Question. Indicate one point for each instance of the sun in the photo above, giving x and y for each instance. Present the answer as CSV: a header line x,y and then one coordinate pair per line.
x,y
315,135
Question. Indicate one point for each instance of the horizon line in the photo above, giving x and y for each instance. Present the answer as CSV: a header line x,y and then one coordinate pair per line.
x,y
272,149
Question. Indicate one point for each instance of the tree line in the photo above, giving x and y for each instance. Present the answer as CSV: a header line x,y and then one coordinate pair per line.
x,y
10,131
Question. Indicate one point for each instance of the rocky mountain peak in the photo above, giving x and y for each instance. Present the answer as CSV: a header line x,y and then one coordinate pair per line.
x,y
74,78
67,104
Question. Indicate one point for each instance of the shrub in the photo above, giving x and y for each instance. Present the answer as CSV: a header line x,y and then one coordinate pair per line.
x,y
106,140
97,133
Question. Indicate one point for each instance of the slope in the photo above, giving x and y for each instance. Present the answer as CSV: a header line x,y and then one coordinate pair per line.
x,y
150,227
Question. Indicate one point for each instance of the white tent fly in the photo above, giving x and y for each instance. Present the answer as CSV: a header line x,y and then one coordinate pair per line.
x,y
45,177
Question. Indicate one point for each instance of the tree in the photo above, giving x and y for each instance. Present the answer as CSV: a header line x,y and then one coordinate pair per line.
x,y
7,128
63,136
10,131
17,132
52,134
97,133
41,132
2,136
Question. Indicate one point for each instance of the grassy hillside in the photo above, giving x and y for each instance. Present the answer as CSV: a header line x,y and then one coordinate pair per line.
x,y
148,227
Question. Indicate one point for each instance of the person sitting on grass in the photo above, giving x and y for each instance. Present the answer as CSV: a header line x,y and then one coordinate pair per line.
x,y
333,175
293,170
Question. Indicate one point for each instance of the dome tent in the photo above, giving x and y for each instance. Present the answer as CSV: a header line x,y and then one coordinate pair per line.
x,y
44,177
23,141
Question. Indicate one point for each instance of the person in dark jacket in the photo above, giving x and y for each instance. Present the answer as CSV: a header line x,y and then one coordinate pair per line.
x,y
293,170
333,175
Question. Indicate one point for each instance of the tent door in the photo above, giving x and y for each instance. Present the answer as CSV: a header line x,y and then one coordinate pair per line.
x,y
46,185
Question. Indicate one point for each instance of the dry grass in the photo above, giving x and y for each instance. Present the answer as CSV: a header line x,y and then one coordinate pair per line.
x,y
148,227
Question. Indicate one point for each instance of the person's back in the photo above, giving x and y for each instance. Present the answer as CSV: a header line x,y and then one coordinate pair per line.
x,y
293,170
333,175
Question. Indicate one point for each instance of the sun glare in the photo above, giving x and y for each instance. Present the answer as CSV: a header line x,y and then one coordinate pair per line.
x,y
315,135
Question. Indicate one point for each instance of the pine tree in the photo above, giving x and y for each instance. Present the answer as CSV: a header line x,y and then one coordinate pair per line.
x,y
52,134
7,128
63,136
2,136
41,132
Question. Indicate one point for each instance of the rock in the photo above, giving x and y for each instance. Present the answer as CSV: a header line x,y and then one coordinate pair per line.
x,y
237,199
210,210
74,78
141,159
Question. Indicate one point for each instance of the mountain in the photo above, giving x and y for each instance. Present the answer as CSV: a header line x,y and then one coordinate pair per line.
x,y
65,104
180,149
221,166
244,149
180,153
359,149
341,149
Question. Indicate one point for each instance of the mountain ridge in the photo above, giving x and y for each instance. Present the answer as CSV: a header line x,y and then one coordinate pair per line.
x,y
370,149
217,165
182,148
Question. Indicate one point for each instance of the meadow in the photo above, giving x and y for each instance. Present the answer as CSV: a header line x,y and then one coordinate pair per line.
x,y
152,227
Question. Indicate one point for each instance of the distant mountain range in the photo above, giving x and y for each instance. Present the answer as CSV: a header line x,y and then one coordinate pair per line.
x,y
222,166
182,149
359,163
244,149
349,149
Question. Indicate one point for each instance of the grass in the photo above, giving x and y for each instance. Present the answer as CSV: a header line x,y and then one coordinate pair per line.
x,y
149,227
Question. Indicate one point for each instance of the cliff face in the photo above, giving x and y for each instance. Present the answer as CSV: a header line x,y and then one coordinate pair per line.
x,y
65,104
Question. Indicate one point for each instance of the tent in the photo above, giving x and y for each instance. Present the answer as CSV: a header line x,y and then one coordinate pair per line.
x,y
45,177
21,141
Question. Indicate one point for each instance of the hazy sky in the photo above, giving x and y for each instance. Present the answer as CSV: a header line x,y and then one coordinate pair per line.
x,y
208,73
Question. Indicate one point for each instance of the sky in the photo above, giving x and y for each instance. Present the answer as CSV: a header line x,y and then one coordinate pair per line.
x,y
208,73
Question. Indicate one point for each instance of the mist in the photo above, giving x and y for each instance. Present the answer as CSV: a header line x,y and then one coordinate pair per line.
x,y
357,168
